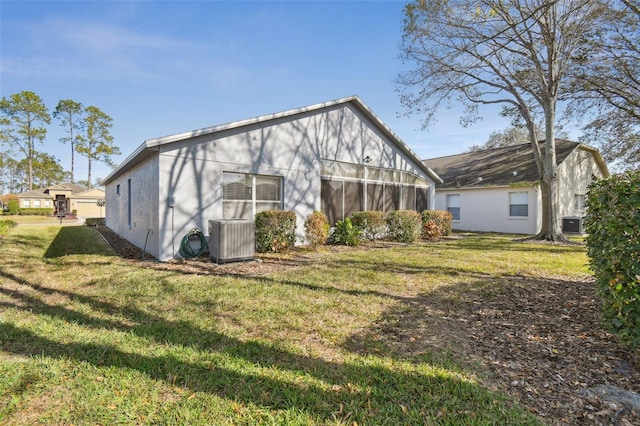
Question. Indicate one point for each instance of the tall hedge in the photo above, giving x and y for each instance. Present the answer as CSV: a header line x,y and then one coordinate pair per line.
x,y
613,227
275,230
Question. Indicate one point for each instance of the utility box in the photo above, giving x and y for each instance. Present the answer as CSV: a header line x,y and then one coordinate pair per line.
x,y
572,224
232,240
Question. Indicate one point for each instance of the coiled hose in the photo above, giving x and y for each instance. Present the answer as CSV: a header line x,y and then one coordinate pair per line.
x,y
189,251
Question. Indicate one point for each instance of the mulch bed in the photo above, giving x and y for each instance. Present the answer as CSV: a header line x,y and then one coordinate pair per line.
x,y
541,339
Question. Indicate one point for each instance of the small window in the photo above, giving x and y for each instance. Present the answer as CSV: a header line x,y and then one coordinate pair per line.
x,y
519,204
578,204
47,203
36,204
118,190
129,199
453,205
26,204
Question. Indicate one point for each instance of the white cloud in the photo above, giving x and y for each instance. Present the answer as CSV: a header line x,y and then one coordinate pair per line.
x,y
91,50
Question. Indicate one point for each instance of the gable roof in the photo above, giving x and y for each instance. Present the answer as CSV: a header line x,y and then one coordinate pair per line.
x,y
151,145
499,166
67,187
34,193
44,192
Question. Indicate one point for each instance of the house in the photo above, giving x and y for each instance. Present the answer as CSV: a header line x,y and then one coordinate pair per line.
x,y
337,157
498,189
65,198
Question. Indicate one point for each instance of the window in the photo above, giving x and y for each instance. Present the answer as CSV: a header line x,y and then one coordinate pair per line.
x,y
47,203
409,197
453,205
26,203
244,195
422,199
578,203
36,204
118,190
519,204
347,188
340,198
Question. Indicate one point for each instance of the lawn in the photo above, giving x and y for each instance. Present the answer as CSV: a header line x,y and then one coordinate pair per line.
x,y
89,338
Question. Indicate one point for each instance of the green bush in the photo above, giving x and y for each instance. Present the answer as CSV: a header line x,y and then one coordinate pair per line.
x,y
275,230
404,225
316,229
372,224
436,223
613,227
5,225
35,212
346,233
14,207
94,221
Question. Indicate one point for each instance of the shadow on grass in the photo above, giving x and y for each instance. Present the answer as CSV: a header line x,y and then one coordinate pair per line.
x,y
71,240
541,339
371,392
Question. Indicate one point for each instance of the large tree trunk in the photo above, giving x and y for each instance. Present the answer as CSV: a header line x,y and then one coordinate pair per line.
x,y
550,229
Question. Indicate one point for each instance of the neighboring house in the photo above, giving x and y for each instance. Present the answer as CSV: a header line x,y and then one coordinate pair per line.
x,y
65,198
498,189
337,157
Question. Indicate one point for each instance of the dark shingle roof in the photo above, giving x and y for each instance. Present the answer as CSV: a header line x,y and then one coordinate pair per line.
x,y
494,167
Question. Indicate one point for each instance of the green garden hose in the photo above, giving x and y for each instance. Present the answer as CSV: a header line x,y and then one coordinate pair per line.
x,y
187,250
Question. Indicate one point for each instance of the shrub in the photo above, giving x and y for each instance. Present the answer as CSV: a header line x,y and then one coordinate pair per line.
x,y
613,227
372,224
346,233
275,230
404,225
430,230
35,212
14,207
5,225
94,221
436,223
316,229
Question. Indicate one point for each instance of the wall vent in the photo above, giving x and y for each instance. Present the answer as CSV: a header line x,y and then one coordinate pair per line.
x,y
232,240
572,224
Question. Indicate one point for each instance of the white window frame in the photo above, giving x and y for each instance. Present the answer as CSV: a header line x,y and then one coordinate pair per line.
x,y
454,205
520,203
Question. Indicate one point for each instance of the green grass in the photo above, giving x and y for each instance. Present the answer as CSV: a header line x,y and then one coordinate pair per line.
x,y
6,225
88,338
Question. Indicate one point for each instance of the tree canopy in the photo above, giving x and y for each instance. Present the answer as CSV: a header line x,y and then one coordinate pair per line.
x,y
514,53
22,117
97,143
608,86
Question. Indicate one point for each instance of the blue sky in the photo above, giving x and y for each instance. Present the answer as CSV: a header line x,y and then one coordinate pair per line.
x,y
162,67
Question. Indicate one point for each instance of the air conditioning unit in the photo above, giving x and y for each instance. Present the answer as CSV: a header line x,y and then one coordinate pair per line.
x,y
232,240
572,224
